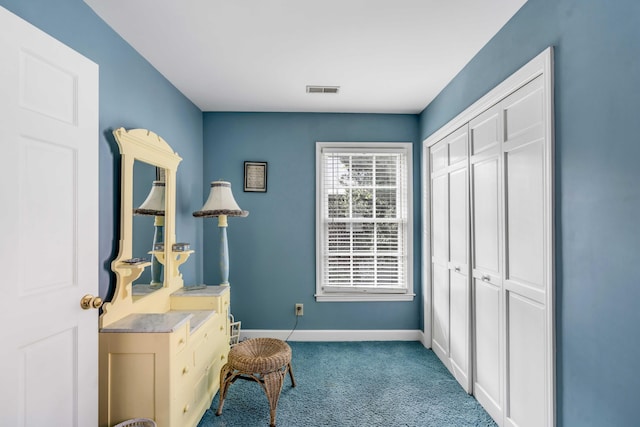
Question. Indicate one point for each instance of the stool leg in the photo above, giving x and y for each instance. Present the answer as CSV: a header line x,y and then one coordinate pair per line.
x,y
225,380
272,386
293,381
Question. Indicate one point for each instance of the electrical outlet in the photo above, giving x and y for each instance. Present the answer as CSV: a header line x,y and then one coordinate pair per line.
x,y
299,309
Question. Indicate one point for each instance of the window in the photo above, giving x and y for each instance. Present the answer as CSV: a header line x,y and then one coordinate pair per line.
x,y
364,232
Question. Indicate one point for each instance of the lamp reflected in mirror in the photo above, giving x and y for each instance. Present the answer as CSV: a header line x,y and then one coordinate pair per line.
x,y
154,205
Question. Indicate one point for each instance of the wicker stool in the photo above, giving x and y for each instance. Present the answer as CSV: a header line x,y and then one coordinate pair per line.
x,y
263,360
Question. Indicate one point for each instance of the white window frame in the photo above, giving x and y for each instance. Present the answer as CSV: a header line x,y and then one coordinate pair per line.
x,y
364,294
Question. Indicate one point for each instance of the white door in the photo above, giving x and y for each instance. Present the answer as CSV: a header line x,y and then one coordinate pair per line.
x,y
48,229
439,162
526,279
450,254
486,260
510,196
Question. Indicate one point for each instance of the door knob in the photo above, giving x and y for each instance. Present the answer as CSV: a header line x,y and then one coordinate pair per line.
x,y
89,301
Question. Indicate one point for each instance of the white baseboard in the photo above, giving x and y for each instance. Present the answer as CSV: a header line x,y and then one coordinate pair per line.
x,y
336,335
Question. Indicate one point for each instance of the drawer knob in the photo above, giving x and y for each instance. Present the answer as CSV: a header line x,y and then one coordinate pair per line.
x,y
181,341
486,277
221,328
185,370
186,408
222,357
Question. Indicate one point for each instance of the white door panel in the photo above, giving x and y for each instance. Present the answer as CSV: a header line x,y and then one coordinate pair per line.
x,y
486,185
526,355
487,367
458,143
524,114
458,220
524,214
526,280
48,174
440,218
486,219
459,344
450,254
439,155
441,309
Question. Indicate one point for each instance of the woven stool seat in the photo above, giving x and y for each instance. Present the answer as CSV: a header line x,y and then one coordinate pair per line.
x,y
263,360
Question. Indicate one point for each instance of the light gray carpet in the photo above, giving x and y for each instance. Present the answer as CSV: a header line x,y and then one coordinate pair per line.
x,y
356,384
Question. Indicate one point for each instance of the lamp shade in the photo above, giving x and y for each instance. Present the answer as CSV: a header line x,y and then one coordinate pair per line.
x,y
220,202
154,203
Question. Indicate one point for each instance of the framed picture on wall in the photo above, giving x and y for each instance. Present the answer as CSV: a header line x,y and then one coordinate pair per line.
x,y
255,176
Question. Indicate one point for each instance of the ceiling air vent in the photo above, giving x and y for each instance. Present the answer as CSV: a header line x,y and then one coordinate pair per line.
x,y
323,89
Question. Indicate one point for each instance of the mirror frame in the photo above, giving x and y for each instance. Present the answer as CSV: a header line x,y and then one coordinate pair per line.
x,y
146,146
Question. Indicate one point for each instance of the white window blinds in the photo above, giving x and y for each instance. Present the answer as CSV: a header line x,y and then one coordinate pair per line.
x,y
363,219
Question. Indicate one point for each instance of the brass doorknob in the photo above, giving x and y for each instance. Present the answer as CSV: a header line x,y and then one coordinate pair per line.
x,y
89,301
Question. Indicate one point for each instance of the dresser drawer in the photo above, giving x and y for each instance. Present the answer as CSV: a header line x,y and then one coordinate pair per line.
x,y
183,370
178,340
211,344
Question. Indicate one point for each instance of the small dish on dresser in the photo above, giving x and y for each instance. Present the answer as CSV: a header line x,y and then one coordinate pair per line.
x,y
132,261
181,247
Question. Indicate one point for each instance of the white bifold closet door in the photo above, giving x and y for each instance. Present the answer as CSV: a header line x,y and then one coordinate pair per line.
x,y
510,285
490,230
451,335
486,219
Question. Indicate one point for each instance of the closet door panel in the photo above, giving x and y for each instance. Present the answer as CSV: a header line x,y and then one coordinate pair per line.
x,y
524,214
458,220
525,277
526,349
450,254
524,113
439,157
440,250
524,143
486,219
459,344
440,219
440,333
488,374
458,270
458,148
487,260
485,132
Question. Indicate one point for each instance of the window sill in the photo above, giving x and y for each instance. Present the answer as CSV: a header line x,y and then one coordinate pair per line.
x,y
363,297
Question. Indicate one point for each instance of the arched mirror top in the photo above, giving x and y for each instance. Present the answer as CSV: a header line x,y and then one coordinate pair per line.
x,y
139,287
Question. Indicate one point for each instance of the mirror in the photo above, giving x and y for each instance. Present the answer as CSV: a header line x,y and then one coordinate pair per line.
x,y
146,159
148,225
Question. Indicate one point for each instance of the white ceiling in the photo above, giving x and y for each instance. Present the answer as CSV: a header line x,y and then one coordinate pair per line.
x,y
387,56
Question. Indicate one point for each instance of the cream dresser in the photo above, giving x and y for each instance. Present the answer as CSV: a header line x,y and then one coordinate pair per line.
x,y
165,366
161,348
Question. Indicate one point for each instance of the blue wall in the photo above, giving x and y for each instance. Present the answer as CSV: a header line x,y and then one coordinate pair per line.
x,y
132,95
272,251
597,100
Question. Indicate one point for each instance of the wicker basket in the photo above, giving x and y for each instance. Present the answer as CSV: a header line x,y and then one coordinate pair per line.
x,y
234,333
137,422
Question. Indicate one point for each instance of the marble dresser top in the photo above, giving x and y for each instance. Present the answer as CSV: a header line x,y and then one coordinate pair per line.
x,y
210,291
159,322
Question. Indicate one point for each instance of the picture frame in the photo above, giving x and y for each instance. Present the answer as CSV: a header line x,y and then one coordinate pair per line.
x,y
255,176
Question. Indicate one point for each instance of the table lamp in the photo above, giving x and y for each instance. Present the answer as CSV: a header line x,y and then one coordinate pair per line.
x,y
221,204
